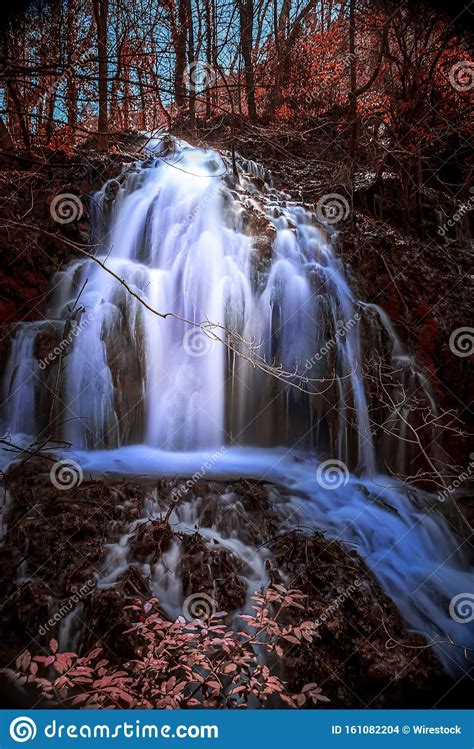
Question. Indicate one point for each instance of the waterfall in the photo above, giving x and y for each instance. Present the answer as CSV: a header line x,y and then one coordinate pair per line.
x,y
136,393
191,240
18,389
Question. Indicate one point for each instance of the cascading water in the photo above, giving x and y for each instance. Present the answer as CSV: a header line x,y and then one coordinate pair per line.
x,y
136,393
180,238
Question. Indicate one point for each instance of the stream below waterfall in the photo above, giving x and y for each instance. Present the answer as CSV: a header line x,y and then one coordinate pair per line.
x,y
287,397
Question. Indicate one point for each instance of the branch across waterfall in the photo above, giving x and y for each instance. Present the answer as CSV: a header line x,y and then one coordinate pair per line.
x,y
219,314
247,350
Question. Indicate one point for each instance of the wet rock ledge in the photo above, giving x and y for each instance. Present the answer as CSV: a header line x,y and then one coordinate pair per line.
x,y
59,544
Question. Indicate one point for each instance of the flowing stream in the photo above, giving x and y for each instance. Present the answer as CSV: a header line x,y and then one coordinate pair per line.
x,y
141,395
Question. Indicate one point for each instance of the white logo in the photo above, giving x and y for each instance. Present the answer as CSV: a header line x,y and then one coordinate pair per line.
x,y
461,341
461,75
22,729
461,608
199,606
197,343
199,75
332,208
332,474
65,208
66,474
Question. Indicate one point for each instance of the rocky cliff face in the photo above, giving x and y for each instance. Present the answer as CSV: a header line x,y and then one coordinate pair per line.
x,y
28,187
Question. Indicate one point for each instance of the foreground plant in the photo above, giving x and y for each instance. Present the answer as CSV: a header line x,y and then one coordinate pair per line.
x,y
180,664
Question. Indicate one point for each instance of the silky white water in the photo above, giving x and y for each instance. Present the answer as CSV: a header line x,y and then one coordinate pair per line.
x,y
179,235
137,394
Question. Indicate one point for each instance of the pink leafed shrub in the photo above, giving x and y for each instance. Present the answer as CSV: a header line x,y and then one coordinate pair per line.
x,y
180,664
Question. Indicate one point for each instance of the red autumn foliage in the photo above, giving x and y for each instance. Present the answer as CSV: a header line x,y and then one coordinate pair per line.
x,y
183,664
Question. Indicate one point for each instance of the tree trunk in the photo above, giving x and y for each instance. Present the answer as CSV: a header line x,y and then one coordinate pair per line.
x,y
189,23
246,41
209,58
6,143
141,87
180,53
22,120
101,9
352,115
71,82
